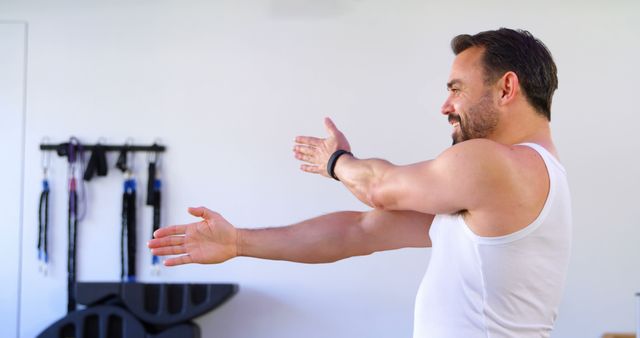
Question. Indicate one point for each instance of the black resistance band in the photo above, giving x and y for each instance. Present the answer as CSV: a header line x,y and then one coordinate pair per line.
x,y
75,156
154,186
43,225
128,232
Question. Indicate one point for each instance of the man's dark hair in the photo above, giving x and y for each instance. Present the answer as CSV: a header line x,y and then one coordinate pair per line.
x,y
520,52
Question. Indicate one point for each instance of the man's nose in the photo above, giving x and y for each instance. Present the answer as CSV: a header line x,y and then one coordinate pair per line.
x,y
447,108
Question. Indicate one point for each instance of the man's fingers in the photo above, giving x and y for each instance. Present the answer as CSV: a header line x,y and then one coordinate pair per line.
x,y
309,140
198,211
314,169
306,153
202,212
166,241
306,150
331,127
306,158
184,259
170,230
169,250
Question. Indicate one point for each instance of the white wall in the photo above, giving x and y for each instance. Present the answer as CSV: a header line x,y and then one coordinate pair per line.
x,y
228,84
12,70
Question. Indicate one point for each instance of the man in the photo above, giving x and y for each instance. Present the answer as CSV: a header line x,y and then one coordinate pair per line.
x,y
495,207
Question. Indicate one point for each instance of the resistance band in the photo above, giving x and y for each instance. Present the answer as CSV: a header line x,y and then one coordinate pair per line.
x,y
75,156
154,186
128,231
43,217
97,163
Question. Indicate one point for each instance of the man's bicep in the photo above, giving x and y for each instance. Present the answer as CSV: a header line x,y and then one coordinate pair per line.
x,y
459,179
424,187
388,230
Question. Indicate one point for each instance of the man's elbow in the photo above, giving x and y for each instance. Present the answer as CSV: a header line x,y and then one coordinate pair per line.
x,y
378,198
380,192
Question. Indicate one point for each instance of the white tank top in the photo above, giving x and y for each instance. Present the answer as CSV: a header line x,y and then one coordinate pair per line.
x,y
498,287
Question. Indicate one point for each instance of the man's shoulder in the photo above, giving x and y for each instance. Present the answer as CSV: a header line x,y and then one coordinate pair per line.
x,y
477,153
489,164
485,151
502,178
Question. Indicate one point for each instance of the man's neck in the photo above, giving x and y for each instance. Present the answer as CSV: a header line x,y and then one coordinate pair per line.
x,y
524,127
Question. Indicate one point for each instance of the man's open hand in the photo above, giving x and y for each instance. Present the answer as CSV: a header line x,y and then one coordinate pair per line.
x,y
212,240
317,151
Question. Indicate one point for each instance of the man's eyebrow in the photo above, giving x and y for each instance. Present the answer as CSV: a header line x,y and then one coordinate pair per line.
x,y
452,83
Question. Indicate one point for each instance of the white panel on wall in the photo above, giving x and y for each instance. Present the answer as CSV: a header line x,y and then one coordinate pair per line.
x,y
12,76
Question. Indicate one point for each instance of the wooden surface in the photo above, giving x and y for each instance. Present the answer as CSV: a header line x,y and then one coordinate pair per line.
x,y
619,335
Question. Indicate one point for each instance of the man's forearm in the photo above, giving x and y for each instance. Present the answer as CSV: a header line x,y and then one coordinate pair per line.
x,y
322,239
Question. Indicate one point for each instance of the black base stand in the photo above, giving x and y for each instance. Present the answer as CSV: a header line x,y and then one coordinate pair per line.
x,y
132,310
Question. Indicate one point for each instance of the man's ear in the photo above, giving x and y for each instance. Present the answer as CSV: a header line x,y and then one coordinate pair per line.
x,y
509,87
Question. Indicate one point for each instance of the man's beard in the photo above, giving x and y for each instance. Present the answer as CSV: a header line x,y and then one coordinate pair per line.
x,y
481,120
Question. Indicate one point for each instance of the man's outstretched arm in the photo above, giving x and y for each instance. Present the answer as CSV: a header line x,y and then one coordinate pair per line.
x,y
459,179
322,239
